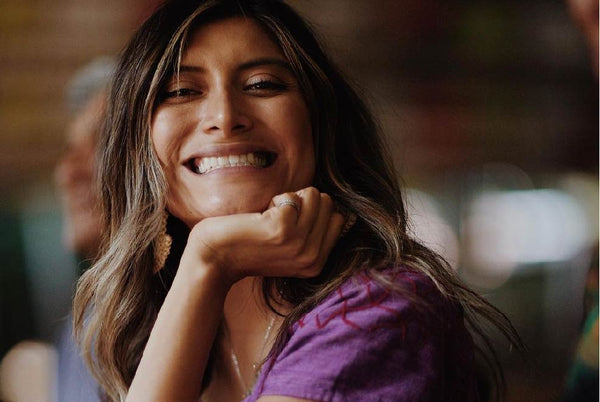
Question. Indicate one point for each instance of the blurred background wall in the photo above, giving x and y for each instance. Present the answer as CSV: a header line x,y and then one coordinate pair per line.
x,y
490,108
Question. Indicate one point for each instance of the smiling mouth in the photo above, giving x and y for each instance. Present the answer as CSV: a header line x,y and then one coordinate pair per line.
x,y
258,159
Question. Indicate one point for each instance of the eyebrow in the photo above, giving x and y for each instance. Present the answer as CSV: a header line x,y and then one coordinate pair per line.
x,y
264,61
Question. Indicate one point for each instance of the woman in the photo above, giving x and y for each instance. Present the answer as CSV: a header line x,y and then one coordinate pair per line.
x,y
228,116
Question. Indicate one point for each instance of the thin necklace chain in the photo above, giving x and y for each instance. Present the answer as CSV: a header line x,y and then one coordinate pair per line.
x,y
255,366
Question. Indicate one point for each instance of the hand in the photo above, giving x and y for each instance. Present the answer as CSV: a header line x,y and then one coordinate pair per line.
x,y
283,241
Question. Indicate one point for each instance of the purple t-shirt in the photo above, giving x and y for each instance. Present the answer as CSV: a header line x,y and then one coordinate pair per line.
x,y
366,343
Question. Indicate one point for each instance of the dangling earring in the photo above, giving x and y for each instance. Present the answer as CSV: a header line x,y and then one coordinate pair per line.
x,y
162,245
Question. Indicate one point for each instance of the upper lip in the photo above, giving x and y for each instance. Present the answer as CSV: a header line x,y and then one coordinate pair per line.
x,y
224,150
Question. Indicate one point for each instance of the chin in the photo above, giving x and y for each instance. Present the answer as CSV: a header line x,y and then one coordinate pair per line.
x,y
239,199
239,207
229,207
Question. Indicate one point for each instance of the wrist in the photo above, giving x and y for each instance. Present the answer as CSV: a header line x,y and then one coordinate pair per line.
x,y
196,270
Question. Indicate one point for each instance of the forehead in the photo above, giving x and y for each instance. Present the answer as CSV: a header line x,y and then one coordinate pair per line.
x,y
229,40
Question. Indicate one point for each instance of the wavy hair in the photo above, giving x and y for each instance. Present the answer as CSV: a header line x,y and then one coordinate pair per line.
x,y
117,300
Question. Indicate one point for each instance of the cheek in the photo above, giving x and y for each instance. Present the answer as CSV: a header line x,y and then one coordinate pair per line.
x,y
167,132
162,137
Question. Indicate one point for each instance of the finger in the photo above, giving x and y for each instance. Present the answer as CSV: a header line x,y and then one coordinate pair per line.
x,y
325,245
321,224
286,206
334,230
311,199
286,199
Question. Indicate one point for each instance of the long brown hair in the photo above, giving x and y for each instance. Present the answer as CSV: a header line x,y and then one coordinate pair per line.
x,y
117,300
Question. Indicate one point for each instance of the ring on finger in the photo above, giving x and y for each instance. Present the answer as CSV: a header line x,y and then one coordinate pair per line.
x,y
290,203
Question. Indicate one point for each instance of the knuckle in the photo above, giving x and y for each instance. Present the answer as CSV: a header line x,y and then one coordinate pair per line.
x,y
281,196
296,248
312,272
309,257
327,201
280,235
312,191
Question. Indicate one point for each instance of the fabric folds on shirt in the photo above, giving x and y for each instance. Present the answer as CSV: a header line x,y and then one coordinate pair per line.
x,y
367,343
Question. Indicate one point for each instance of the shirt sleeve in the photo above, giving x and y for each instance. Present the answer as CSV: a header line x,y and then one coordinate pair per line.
x,y
365,343
74,383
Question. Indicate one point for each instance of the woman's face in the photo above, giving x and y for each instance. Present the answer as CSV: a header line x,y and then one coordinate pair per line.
x,y
233,130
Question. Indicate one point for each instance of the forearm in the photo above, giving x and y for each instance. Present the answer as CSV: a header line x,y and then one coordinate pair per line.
x,y
175,357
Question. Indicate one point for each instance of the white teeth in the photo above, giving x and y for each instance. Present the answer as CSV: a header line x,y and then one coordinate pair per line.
x,y
204,165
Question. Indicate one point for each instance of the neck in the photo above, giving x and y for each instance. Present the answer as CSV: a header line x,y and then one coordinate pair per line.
x,y
249,329
244,307
246,319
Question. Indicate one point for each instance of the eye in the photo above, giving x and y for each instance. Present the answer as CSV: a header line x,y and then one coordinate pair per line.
x,y
179,93
265,86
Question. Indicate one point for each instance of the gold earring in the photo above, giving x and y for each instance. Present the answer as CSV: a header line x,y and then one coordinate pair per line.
x,y
162,245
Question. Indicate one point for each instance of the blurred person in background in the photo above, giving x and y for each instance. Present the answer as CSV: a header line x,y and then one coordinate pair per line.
x,y
75,170
27,372
74,177
582,382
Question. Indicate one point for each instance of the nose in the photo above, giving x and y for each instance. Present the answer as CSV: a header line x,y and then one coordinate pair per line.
x,y
225,112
